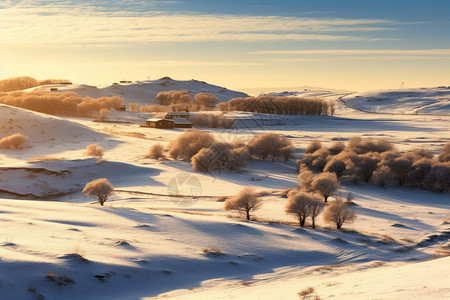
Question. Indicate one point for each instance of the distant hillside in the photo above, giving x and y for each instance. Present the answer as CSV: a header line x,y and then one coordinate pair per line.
x,y
144,92
403,101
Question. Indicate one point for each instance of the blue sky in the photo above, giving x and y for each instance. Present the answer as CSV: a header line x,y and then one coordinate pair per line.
x,y
345,44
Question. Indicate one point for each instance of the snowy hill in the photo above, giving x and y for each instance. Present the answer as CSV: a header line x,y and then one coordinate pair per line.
x,y
403,101
144,92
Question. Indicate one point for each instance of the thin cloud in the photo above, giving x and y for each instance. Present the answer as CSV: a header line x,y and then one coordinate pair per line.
x,y
373,52
66,24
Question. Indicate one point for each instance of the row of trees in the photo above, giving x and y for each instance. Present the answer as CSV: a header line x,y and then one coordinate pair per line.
x,y
206,153
377,161
25,82
182,100
280,105
300,204
66,104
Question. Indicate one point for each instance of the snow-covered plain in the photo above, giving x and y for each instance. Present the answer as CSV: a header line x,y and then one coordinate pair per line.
x,y
56,243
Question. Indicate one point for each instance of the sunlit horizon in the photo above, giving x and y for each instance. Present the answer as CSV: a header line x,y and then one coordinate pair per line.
x,y
238,45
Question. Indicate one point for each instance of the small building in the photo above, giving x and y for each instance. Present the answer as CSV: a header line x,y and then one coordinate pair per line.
x,y
160,123
182,123
177,114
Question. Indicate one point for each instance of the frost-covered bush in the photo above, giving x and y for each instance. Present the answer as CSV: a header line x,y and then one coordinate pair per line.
x,y
271,145
190,143
156,151
100,188
94,150
15,141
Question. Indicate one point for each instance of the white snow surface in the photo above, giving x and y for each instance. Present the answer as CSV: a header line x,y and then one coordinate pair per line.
x,y
56,243
403,101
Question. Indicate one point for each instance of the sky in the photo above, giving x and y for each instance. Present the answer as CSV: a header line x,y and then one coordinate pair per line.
x,y
354,45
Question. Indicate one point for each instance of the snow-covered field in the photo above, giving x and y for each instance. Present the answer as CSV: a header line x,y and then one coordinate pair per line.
x,y
55,243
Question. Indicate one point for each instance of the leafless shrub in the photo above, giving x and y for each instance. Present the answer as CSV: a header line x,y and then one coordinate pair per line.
x,y
59,279
400,167
325,184
94,150
438,179
336,166
419,171
100,188
361,146
338,213
336,148
367,164
103,114
313,146
156,151
305,292
306,178
15,141
445,153
383,175
212,251
317,160
220,156
190,143
246,201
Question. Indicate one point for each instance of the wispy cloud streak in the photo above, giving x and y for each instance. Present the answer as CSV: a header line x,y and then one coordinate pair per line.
x,y
35,24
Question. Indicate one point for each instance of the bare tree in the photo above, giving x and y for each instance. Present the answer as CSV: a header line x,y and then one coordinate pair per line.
x,y
298,205
100,188
338,213
326,184
303,205
245,202
315,208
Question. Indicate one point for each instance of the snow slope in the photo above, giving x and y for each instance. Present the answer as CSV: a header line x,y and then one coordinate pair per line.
x,y
144,92
403,101
145,243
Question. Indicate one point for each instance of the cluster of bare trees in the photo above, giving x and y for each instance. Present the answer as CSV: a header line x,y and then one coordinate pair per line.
x,y
301,204
212,120
206,153
25,82
269,104
271,145
182,100
66,104
134,107
377,161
